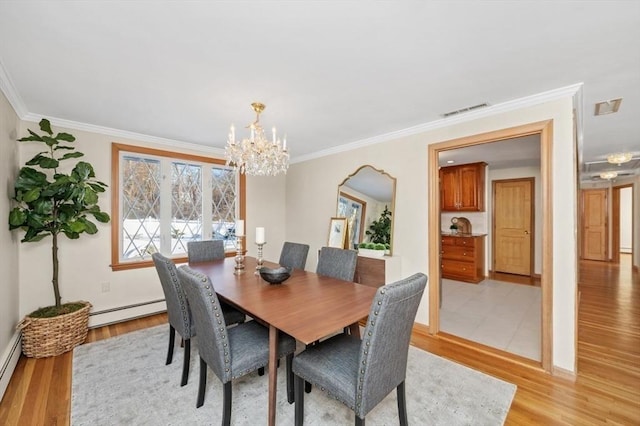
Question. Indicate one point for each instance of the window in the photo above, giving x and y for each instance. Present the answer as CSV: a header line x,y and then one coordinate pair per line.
x,y
162,200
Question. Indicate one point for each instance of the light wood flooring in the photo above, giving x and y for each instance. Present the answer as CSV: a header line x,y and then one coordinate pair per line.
x,y
606,390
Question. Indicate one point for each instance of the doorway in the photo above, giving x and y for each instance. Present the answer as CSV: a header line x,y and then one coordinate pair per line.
x,y
622,221
543,130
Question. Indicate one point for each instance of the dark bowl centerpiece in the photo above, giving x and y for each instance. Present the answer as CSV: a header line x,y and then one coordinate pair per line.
x,y
275,275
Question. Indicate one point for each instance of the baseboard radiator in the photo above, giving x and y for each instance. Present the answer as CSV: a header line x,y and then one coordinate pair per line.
x,y
125,313
9,361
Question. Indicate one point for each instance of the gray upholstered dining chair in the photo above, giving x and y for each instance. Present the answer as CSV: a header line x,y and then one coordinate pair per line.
x,y
230,352
361,373
203,251
337,263
179,313
294,255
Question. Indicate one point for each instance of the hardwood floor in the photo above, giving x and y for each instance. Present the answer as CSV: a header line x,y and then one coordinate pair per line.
x,y
606,389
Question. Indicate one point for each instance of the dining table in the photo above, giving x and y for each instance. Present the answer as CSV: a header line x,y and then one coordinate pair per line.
x,y
306,306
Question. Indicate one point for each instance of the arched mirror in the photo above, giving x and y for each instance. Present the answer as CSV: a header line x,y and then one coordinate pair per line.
x,y
367,199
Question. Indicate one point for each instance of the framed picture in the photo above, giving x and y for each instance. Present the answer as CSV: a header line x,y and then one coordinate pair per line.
x,y
354,210
337,232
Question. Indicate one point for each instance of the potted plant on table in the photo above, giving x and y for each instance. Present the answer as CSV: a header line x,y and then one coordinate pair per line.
x,y
372,249
49,202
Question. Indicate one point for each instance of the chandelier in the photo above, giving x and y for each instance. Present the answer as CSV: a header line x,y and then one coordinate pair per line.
x,y
257,155
619,158
608,175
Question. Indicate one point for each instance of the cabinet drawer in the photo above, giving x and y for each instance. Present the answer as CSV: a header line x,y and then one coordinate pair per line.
x,y
448,240
465,241
458,253
456,268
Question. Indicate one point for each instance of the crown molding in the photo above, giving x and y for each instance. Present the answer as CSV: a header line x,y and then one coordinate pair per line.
x,y
574,90
513,105
7,87
124,134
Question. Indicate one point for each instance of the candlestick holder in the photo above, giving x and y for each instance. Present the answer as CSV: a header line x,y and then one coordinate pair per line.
x,y
260,260
239,268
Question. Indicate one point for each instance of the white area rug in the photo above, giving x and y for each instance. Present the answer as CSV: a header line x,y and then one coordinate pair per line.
x,y
123,381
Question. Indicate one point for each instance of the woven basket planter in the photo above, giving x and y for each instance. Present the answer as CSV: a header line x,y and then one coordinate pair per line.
x,y
43,337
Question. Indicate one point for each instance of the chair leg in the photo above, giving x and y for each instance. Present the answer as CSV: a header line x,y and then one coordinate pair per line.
x,y
290,397
186,361
203,383
359,421
172,341
402,405
226,404
261,371
299,410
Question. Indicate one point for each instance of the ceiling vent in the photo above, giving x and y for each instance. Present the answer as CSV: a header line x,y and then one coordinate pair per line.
x,y
608,107
463,110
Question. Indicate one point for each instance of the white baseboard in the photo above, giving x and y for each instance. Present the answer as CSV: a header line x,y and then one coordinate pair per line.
x,y
9,361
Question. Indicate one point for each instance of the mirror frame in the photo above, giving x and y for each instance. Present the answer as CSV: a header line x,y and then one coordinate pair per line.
x,y
392,207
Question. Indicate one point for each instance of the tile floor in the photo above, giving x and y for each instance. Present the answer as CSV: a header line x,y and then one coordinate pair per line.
x,y
502,315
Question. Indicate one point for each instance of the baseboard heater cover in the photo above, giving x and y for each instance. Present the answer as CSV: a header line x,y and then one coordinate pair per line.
x,y
122,308
119,314
11,357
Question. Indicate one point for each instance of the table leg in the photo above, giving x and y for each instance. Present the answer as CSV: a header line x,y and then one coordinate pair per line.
x,y
355,329
273,373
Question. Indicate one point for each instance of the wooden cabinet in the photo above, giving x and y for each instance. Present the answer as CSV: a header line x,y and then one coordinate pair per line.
x,y
376,272
462,258
462,187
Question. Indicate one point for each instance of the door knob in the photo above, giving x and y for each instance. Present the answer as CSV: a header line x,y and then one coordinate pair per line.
x,y
526,232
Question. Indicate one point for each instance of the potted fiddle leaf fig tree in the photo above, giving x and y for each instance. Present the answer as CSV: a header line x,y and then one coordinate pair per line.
x,y
54,198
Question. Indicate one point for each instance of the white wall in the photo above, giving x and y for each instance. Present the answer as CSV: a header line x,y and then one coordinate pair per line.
x,y
311,189
9,243
84,263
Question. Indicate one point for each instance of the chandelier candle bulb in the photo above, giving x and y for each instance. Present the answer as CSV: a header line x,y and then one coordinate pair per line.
x,y
274,135
260,236
239,228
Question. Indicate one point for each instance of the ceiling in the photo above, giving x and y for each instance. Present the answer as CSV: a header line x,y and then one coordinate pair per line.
x,y
330,73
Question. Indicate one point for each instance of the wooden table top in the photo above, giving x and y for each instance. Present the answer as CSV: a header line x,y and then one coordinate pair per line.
x,y
307,306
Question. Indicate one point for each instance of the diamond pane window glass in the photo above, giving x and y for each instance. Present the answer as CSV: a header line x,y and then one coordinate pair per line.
x,y
186,206
224,205
140,207
166,199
